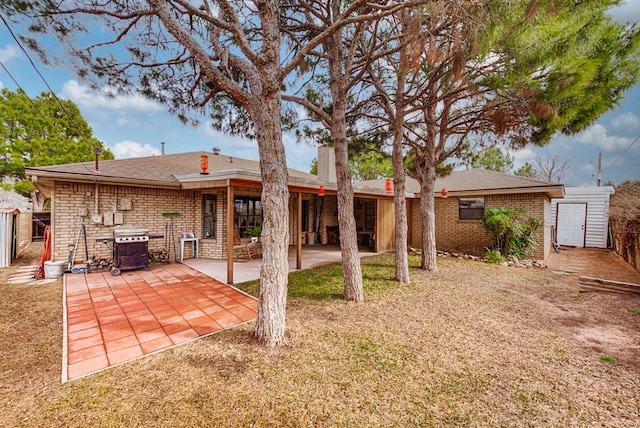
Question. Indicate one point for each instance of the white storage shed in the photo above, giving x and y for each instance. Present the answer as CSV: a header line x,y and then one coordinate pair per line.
x,y
581,218
9,223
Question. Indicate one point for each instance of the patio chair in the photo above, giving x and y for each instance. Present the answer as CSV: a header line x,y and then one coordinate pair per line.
x,y
243,249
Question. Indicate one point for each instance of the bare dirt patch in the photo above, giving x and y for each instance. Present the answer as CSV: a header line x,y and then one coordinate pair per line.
x,y
593,262
600,321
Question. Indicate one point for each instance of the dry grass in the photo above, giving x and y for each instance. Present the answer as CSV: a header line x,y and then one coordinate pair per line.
x,y
472,344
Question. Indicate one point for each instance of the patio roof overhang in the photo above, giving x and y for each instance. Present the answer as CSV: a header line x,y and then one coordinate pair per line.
x,y
45,180
221,178
553,191
248,177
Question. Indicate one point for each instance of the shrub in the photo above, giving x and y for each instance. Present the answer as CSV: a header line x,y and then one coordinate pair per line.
x,y
513,231
494,256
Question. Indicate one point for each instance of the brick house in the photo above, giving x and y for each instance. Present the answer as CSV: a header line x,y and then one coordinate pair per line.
x,y
140,191
468,194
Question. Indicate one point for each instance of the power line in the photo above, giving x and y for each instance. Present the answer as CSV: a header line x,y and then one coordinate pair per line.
x,y
624,171
78,127
625,151
36,108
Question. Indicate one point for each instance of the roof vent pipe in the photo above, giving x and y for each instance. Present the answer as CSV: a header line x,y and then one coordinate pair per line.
x,y
162,144
230,159
96,155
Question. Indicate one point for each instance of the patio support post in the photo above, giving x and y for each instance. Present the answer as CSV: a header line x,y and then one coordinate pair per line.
x,y
299,232
230,212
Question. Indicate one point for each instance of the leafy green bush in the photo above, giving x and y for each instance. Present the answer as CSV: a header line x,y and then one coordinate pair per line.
x,y
513,231
494,256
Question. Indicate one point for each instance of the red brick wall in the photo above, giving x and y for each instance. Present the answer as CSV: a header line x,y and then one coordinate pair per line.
x,y
147,208
469,236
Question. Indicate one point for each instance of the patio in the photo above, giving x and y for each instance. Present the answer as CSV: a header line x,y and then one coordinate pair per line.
x,y
249,270
110,320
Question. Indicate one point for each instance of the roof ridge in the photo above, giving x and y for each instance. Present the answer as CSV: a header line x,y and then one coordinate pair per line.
x,y
508,175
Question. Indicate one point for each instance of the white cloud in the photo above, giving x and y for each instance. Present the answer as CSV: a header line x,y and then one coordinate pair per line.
x,y
597,136
299,155
131,149
8,53
626,123
128,122
587,168
522,156
228,143
89,100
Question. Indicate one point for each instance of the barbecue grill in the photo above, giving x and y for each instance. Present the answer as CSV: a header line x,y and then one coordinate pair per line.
x,y
130,249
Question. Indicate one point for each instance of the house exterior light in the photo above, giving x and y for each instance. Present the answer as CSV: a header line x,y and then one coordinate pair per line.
x,y
204,164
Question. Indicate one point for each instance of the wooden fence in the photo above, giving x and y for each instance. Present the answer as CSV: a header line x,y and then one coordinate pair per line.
x,y
626,245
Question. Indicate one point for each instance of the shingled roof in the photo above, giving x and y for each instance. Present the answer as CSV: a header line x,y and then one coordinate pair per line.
x,y
180,169
478,181
164,171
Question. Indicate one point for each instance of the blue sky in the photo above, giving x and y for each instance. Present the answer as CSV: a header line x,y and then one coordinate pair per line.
x,y
134,126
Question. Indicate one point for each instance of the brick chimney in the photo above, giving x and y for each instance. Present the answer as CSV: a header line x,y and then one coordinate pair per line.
x,y
327,164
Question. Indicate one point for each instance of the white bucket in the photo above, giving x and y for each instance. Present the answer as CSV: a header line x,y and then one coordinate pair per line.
x,y
311,238
53,269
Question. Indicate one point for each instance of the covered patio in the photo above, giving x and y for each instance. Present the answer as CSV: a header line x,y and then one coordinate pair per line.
x,y
249,270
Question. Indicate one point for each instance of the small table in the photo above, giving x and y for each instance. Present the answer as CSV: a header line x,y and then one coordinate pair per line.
x,y
194,247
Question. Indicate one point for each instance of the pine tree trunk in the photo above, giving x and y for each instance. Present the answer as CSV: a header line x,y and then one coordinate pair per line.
x,y
352,273
400,205
428,214
272,300
400,202
267,113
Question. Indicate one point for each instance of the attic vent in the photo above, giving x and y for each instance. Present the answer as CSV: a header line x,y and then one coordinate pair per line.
x,y
216,151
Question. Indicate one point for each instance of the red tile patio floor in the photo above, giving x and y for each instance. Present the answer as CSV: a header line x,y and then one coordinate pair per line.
x,y
113,319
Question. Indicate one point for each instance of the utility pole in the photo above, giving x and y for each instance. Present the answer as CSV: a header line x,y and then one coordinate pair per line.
x,y
599,176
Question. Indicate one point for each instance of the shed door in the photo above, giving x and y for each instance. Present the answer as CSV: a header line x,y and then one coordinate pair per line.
x,y
571,224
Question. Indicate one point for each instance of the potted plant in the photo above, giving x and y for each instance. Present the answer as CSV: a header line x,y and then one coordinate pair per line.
x,y
255,233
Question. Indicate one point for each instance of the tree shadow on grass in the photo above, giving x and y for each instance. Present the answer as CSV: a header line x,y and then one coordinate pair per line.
x,y
326,283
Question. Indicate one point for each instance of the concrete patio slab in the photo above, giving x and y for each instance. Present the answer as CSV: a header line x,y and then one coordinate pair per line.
x,y
243,271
